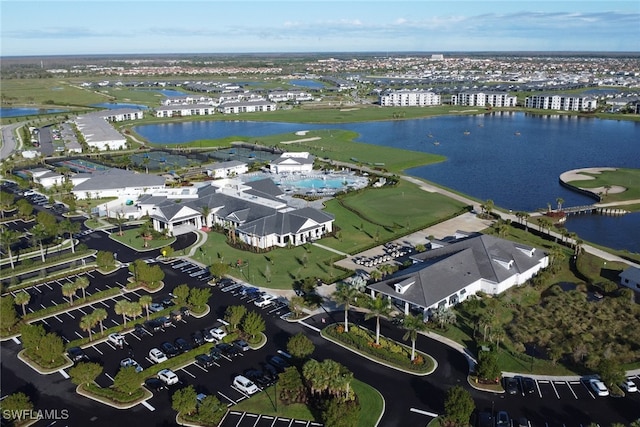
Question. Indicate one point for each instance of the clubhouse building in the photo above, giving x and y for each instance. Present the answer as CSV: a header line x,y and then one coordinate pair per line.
x,y
443,277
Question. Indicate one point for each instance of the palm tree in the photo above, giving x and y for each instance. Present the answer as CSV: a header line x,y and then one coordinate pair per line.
x,y
100,314
121,309
133,309
375,275
39,233
525,220
120,219
22,298
8,237
295,304
145,301
378,306
413,325
87,322
346,295
559,201
68,226
82,283
69,290
206,210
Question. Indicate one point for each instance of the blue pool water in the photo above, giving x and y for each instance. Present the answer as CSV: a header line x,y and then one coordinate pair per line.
x,y
311,183
117,105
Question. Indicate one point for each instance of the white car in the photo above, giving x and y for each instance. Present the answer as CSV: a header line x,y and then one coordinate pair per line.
x,y
116,339
598,387
218,333
629,386
264,300
130,362
168,377
157,356
245,385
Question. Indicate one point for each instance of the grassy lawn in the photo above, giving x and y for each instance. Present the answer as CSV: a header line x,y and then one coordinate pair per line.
x,y
39,91
132,239
628,178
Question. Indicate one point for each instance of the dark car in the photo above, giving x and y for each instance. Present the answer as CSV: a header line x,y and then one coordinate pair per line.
x,y
215,353
241,345
270,373
183,345
503,419
528,385
511,385
165,321
257,377
139,331
76,354
205,361
228,349
185,311
167,302
153,325
169,349
279,363
485,419
197,338
154,384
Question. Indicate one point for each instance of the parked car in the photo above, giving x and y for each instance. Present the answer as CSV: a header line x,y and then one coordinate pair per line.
x,y
218,333
265,300
629,386
279,363
165,321
76,354
598,387
270,372
116,339
528,385
485,419
154,307
522,422
169,349
153,325
228,349
257,377
168,302
197,338
155,384
502,419
168,377
175,315
157,356
205,361
245,385
139,331
125,363
208,337
215,353
510,385
183,345
241,345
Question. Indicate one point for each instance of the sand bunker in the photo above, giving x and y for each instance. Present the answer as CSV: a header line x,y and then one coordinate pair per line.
x,y
315,138
302,132
615,189
576,174
349,109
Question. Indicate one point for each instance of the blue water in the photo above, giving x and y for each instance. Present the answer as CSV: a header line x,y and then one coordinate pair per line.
x,y
310,183
617,232
165,92
515,159
117,105
19,111
311,84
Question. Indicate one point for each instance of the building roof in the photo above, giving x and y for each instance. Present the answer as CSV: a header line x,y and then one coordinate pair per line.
x,y
441,272
632,274
118,178
283,223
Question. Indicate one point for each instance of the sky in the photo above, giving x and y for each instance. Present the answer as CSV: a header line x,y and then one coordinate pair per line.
x,y
84,27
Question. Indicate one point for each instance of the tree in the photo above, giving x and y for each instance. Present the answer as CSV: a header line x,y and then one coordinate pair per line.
x,y
51,347
181,294
167,251
133,309
184,400
412,325
206,210
296,303
100,314
8,238
341,414
445,316
69,289
234,314
208,408
218,269
559,201
38,234
611,372
120,219
105,260
82,283
458,406
253,324
85,373
70,227
31,335
8,314
291,389
145,301
300,346
87,322
128,381
198,298
22,298
6,201
121,309
378,307
487,367
14,405
346,295
25,209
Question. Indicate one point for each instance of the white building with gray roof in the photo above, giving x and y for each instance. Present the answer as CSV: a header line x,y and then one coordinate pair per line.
x,y
98,132
443,277
115,183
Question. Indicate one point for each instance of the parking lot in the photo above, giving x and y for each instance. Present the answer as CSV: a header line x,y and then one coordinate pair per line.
x,y
245,419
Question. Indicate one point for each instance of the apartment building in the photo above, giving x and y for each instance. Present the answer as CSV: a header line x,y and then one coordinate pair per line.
x,y
409,98
561,102
484,99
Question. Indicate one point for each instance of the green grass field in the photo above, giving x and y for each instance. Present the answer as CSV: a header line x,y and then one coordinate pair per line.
x,y
627,178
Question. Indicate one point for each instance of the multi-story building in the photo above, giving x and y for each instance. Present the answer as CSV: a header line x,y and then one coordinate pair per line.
x,y
484,99
561,102
409,98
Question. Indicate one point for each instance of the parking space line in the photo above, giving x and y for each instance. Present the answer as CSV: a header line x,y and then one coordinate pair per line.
x,y
188,373
198,366
54,303
16,340
47,285
37,288
110,345
88,273
554,389
538,387
115,323
82,311
146,405
241,392
58,319
44,321
108,376
78,334
105,304
136,337
227,397
588,389
96,349
572,392
69,314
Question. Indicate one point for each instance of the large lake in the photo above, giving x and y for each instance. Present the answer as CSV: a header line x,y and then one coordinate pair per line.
x,y
514,159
